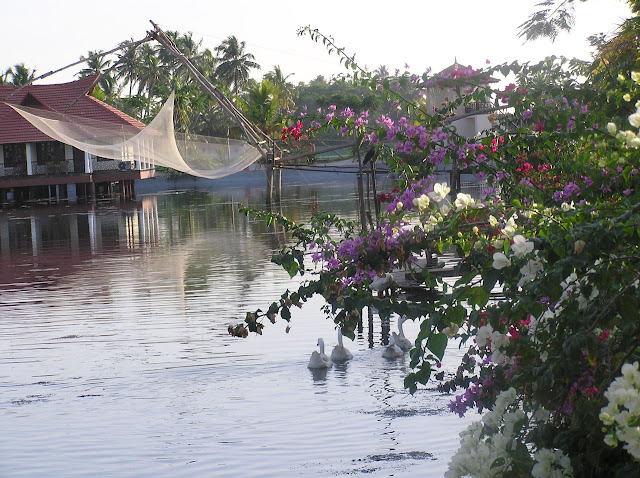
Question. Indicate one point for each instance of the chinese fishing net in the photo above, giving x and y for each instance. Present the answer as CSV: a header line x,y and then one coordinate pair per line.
x,y
157,144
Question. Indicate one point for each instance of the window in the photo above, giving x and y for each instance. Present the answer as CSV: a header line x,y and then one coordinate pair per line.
x,y
15,155
50,152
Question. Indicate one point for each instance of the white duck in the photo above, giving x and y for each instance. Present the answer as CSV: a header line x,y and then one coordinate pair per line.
x,y
320,359
392,350
403,342
340,353
380,284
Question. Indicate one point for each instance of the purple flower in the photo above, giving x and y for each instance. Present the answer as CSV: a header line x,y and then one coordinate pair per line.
x,y
332,107
527,114
348,112
627,192
388,122
570,189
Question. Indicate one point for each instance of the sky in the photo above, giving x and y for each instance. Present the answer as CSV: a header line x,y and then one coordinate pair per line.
x,y
47,35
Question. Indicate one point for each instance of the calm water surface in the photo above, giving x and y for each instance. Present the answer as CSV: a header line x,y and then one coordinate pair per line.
x,y
115,359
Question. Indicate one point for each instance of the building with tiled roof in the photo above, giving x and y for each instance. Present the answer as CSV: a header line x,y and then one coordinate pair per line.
x,y
33,166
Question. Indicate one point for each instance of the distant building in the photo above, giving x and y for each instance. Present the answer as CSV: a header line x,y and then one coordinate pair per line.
x,y
34,167
474,117
469,121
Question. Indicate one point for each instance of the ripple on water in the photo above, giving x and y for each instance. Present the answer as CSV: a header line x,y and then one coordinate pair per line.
x,y
114,357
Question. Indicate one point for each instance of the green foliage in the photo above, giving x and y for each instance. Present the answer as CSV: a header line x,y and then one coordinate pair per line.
x,y
547,298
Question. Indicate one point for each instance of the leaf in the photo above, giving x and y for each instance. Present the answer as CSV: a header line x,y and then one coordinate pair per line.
x,y
410,383
285,313
456,314
480,296
628,307
437,343
422,375
489,279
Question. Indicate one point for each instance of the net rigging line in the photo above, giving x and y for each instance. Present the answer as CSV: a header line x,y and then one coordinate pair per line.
x,y
133,45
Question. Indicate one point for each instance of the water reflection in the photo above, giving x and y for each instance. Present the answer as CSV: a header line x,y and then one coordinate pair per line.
x,y
123,308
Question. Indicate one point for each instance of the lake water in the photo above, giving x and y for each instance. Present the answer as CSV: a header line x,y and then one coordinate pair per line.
x,y
115,358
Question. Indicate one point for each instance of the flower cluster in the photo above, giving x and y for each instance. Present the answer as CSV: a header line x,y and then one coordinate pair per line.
x,y
621,415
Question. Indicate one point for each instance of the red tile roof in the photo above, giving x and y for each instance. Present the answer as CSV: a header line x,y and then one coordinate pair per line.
x,y
15,129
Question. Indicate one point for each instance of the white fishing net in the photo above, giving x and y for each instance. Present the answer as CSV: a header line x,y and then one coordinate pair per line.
x,y
157,144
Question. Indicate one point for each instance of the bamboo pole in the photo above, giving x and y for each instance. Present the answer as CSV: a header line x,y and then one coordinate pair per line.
x,y
363,216
255,136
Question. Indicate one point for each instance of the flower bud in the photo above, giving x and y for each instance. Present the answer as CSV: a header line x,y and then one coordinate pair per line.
x,y
579,246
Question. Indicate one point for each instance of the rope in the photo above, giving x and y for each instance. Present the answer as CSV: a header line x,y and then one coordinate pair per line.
x,y
106,72
255,135
82,60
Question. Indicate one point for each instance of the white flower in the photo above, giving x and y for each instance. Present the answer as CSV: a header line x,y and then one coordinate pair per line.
x,y
483,335
566,207
529,271
440,192
635,76
399,205
521,247
451,330
500,261
431,224
551,464
623,410
626,97
510,228
611,128
464,201
480,448
493,221
634,119
422,202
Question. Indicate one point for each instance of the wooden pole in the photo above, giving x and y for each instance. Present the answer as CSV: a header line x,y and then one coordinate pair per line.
x,y
376,202
363,216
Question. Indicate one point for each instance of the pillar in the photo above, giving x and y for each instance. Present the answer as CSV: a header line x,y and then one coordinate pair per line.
x,y
32,157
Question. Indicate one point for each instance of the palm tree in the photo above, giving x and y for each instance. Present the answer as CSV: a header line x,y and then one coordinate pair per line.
x,y
235,64
150,74
96,64
287,93
4,77
206,63
20,75
129,66
189,48
260,105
